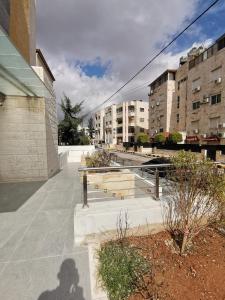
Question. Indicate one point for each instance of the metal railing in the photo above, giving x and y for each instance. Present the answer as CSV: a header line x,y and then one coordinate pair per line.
x,y
147,178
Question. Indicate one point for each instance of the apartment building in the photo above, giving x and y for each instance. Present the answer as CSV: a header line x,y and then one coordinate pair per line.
x,y
194,104
206,95
99,124
161,95
28,120
122,122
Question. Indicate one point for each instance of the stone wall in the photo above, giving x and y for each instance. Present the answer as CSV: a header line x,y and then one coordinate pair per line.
x,y
23,139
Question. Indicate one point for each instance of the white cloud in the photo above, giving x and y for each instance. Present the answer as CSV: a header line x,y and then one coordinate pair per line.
x,y
127,33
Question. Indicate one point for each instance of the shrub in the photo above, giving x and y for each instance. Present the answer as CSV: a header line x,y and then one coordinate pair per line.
x,y
195,194
98,159
160,138
84,140
121,269
175,137
142,138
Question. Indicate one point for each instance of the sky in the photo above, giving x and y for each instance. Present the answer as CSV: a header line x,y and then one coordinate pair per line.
x,y
94,46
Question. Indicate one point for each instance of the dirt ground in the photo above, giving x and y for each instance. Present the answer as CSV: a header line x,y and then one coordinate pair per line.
x,y
199,275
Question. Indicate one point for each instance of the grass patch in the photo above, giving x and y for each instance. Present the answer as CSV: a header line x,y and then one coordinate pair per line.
x,y
121,269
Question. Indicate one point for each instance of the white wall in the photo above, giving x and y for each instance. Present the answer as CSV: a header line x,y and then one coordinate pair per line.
x,y
75,152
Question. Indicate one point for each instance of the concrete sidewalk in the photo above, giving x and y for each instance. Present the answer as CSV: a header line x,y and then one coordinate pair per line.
x,y
38,260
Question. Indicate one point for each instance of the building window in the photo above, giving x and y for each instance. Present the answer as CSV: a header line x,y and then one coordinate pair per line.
x,y
160,129
120,130
195,105
119,110
196,84
178,118
142,129
221,43
142,119
215,99
178,101
142,109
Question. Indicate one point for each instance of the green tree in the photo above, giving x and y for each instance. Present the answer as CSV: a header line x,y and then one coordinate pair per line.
x,y
142,138
91,128
68,127
175,137
160,138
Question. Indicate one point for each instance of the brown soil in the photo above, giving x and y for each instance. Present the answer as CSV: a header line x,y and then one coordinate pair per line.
x,y
198,275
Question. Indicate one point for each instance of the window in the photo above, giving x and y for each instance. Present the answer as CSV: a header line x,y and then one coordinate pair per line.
x,y
210,52
178,85
178,101
221,43
119,110
217,73
215,99
142,129
195,105
131,129
178,118
142,119
120,130
214,122
142,109
195,84
160,129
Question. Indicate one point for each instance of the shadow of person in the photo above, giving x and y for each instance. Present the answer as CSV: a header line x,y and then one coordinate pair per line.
x,y
68,288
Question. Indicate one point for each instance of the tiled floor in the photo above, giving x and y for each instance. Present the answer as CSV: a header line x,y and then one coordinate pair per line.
x,y
38,260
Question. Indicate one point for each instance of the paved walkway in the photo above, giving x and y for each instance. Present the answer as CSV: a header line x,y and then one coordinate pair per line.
x,y
38,260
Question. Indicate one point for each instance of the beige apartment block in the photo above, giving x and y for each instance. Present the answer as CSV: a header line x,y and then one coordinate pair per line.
x,y
99,124
132,119
28,120
206,95
161,96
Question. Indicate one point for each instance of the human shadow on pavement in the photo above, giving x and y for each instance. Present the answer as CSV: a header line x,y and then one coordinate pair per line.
x,y
68,288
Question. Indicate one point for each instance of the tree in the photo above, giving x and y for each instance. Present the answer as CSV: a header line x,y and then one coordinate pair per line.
x,y
195,191
160,138
91,128
68,127
142,138
175,137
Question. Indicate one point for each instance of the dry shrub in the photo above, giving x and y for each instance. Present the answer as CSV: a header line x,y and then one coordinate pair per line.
x,y
195,197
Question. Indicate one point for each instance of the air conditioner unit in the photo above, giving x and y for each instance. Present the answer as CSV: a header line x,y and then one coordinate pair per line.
x,y
197,89
218,80
205,100
196,131
157,103
222,134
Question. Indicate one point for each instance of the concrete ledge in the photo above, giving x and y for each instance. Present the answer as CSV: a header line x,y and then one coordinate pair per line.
x,y
101,217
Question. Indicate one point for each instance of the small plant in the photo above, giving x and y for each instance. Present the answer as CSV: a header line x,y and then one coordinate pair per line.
x,y
142,138
121,269
175,137
195,195
84,140
98,159
160,138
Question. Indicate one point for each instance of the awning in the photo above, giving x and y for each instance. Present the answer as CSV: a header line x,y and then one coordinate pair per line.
x,y
192,138
17,78
212,139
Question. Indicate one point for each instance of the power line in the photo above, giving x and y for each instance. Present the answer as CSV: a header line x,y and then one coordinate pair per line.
x,y
154,57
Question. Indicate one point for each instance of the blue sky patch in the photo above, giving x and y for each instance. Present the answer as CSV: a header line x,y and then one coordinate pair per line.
x,y
94,68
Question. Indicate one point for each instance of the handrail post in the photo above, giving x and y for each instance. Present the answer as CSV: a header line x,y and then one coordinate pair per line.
x,y
157,184
85,200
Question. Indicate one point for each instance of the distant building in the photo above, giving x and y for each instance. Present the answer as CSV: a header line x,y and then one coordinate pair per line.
x,y
28,120
122,122
160,102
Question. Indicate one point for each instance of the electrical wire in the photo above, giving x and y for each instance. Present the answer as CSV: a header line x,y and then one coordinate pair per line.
x,y
153,58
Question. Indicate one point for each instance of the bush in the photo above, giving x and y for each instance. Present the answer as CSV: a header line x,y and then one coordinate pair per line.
x,y
121,269
175,137
142,138
98,159
159,138
84,140
195,195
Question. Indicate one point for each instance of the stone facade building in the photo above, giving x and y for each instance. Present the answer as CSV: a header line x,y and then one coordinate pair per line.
x,y
99,120
28,120
122,122
160,102
197,107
